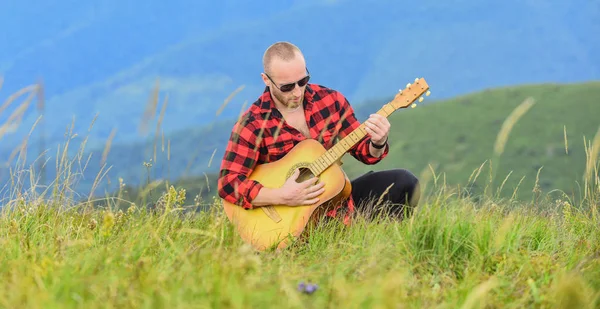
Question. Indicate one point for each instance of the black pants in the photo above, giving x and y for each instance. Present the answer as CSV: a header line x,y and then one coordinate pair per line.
x,y
393,193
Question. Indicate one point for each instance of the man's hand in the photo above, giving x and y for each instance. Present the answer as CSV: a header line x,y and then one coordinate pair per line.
x,y
303,193
378,127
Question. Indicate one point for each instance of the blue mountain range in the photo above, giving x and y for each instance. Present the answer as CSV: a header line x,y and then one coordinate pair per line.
x,y
101,61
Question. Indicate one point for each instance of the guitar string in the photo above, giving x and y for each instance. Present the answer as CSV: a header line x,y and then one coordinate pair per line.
x,y
352,136
360,128
356,139
326,160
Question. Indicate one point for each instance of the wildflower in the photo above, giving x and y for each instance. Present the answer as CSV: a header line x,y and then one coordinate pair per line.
x,y
307,288
14,226
120,216
92,224
131,209
109,220
311,288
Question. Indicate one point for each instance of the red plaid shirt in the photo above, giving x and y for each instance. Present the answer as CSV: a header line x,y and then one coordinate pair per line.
x,y
262,136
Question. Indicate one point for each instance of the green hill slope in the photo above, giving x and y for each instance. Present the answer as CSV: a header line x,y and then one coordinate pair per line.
x,y
455,137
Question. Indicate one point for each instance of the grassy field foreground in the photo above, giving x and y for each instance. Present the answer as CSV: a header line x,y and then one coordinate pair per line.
x,y
458,250
450,254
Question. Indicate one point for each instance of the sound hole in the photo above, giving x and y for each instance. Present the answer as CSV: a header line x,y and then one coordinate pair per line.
x,y
305,174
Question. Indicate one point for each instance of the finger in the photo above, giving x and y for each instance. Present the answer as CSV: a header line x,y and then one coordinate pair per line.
x,y
296,174
315,193
378,132
377,118
378,122
310,181
386,124
383,120
375,127
315,187
311,201
374,135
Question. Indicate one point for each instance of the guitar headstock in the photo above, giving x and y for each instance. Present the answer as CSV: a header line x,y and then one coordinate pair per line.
x,y
413,92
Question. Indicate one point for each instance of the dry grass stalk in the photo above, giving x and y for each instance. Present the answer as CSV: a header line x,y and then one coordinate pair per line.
x,y
591,166
107,146
259,137
22,148
150,111
159,123
509,123
566,140
17,94
15,118
229,98
211,157
479,293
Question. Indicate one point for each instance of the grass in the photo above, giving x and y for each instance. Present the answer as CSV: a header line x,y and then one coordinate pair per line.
x,y
456,251
452,253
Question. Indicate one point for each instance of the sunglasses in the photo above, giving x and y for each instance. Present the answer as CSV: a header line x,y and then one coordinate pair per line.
x,y
291,86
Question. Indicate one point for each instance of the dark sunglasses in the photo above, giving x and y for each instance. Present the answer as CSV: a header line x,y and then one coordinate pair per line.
x,y
290,87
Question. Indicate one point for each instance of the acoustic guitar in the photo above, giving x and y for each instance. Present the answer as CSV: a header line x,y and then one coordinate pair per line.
x,y
277,226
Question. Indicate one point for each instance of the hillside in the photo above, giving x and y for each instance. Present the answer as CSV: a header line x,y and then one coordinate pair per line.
x,y
105,58
457,136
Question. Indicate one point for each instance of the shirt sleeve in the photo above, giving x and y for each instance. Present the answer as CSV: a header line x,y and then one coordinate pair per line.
x,y
349,123
241,155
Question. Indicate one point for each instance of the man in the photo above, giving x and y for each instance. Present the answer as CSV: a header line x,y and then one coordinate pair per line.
x,y
291,110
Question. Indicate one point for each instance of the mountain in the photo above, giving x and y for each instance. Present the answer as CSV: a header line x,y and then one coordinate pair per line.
x,y
117,65
104,58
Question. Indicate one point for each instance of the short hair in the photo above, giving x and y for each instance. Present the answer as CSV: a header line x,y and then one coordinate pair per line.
x,y
283,50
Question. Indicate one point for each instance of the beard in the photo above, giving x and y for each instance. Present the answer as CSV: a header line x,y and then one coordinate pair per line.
x,y
288,101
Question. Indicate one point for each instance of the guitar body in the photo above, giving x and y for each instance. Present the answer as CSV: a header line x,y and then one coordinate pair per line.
x,y
277,225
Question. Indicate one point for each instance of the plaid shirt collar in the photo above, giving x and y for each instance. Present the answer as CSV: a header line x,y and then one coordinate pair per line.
x,y
266,104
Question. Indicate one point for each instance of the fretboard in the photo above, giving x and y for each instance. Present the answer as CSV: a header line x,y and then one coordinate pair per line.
x,y
339,149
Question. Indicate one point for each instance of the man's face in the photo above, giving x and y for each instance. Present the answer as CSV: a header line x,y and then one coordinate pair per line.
x,y
287,72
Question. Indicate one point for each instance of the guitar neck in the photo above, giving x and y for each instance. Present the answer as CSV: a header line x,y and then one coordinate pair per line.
x,y
336,152
402,99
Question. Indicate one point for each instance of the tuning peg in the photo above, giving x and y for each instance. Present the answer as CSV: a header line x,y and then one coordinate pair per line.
x,y
416,79
413,105
407,85
427,93
399,90
421,99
